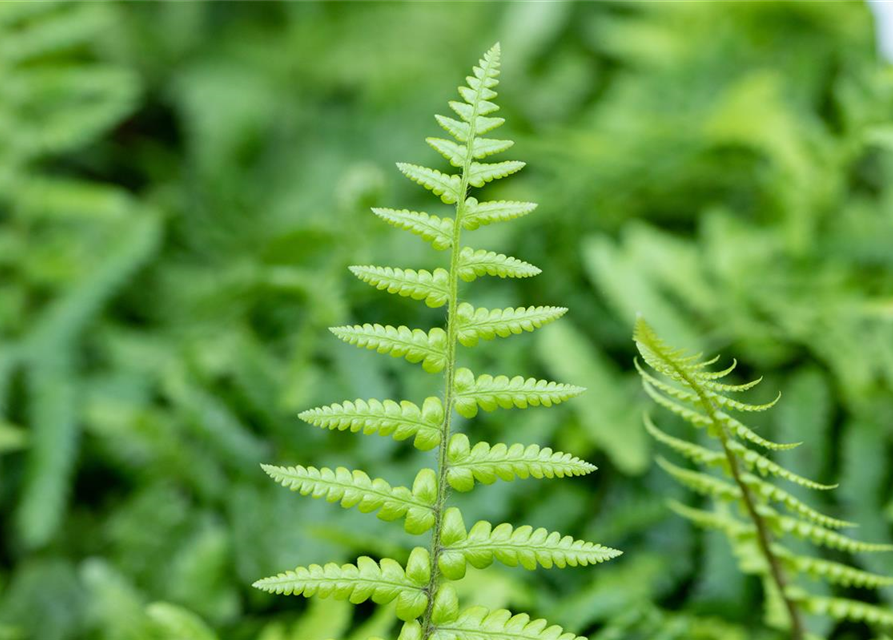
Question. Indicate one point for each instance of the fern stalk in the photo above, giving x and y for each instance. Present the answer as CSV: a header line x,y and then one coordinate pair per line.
x,y
764,536
450,369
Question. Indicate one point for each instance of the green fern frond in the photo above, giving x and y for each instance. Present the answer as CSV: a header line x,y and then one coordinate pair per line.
x,y
459,465
694,394
764,466
478,214
475,324
832,572
478,623
490,393
511,546
819,535
845,609
400,342
487,463
474,264
357,489
382,582
433,288
385,418
443,185
437,231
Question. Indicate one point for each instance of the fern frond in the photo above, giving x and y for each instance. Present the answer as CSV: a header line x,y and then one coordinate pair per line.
x,y
819,535
771,492
490,393
381,582
454,153
485,463
484,172
475,324
441,184
712,520
511,546
459,130
694,452
484,147
763,465
433,288
478,214
745,433
357,489
385,418
701,482
845,609
832,572
473,264
478,623
437,231
400,342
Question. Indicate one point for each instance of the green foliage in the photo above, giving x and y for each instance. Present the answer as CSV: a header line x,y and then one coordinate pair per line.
x,y
689,379
428,606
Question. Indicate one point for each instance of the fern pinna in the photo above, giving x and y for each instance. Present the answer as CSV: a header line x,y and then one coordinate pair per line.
x,y
688,387
424,601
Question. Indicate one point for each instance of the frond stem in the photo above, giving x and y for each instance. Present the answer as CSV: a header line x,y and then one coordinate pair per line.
x,y
450,370
764,536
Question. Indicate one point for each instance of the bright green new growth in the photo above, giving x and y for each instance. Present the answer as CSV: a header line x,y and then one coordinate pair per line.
x,y
691,390
428,606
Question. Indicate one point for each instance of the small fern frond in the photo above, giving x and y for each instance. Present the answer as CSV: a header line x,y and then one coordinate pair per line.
x,y
512,546
832,572
437,231
701,483
484,147
475,324
694,452
478,623
490,393
791,503
385,418
484,172
712,520
357,489
474,264
433,288
764,466
381,582
845,609
443,185
819,535
478,214
486,464
399,342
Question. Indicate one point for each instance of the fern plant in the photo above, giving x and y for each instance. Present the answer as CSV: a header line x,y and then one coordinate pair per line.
x,y
425,601
688,387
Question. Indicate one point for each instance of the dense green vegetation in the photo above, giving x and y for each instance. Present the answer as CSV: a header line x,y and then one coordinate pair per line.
x,y
183,185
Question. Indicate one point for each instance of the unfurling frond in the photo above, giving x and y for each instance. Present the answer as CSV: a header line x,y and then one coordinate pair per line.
x,y
524,546
433,288
357,489
478,214
490,393
486,464
441,184
691,391
385,418
400,342
381,582
437,231
488,323
420,591
474,264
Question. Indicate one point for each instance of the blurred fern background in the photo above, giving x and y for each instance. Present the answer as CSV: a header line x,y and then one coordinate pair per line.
x,y
182,186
